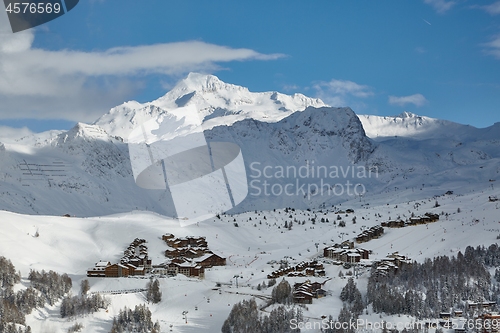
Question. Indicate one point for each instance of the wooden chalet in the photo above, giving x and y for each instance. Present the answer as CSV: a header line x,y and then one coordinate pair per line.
x,y
481,305
167,237
304,268
432,217
189,256
303,293
192,270
116,270
366,235
350,257
427,218
489,322
186,268
99,269
346,255
210,260
345,245
398,259
302,297
134,270
390,264
393,224
445,315
135,261
189,241
186,252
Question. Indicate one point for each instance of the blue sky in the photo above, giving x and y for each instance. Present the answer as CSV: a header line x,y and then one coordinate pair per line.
x,y
437,58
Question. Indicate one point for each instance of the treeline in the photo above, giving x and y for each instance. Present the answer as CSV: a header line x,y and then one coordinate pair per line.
x,y
83,303
424,290
137,320
50,284
245,318
488,256
10,314
46,287
8,275
351,298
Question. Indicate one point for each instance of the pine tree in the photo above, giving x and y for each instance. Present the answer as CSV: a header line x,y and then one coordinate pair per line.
x,y
352,297
153,294
282,293
84,287
243,318
345,316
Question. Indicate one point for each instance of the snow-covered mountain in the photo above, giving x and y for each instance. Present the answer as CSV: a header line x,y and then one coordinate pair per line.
x,y
218,103
417,127
292,143
408,124
412,147
86,171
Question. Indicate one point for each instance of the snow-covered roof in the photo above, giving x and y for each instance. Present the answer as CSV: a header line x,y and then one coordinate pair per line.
x,y
303,293
102,264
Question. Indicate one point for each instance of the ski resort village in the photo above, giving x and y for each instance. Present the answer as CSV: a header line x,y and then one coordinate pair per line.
x,y
307,269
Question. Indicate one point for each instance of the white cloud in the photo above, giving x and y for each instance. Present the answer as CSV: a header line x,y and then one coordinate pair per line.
x,y
416,99
10,134
493,47
340,92
440,6
493,9
78,85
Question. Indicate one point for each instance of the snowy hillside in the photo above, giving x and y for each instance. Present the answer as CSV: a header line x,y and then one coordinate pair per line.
x,y
94,167
253,249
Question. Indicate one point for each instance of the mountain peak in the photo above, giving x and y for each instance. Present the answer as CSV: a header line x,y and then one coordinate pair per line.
x,y
217,102
198,84
206,83
84,131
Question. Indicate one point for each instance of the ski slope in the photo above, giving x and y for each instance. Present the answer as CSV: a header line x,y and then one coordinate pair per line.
x,y
72,245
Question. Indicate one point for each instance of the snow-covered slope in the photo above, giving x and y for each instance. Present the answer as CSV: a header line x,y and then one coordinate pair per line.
x,y
253,249
435,151
87,171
